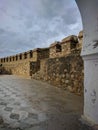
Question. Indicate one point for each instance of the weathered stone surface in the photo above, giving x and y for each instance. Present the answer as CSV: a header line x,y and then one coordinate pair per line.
x,y
66,71
23,64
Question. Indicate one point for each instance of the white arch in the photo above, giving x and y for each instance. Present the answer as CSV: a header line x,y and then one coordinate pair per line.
x,y
89,13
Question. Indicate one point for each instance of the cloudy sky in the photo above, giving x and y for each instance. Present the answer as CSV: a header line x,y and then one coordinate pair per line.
x,y
29,24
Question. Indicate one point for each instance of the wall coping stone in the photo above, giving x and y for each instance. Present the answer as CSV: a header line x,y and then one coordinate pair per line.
x,y
71,38
54,44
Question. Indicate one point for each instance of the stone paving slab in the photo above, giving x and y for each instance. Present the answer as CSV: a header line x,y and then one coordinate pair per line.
x,y
34,105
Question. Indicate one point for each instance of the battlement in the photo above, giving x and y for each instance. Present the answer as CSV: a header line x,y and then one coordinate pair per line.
x,y
31,55
66,46
56,49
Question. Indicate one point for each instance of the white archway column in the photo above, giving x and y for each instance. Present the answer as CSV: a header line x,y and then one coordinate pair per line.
x,y
89,13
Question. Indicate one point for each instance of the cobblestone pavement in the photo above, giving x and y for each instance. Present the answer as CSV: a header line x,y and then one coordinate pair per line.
x,y
34,105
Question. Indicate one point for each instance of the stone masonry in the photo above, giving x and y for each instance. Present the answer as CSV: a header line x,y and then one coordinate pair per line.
x,y
20,63
60,64
64,68
64,72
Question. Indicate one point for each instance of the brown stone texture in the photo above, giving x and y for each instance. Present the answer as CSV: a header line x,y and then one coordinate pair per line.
x,y
23,64
69,43
20,68
65,72
64,48
55,50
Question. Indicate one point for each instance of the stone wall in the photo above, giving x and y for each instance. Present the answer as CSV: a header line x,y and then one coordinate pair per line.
x,y
20,68
64,48
22,64
55,50
65,72
64,67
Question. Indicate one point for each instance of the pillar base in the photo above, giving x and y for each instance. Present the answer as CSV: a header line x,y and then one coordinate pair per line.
x,y
87,124
86,121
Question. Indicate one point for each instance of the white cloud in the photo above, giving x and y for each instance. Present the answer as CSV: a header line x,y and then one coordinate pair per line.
x,y
29,24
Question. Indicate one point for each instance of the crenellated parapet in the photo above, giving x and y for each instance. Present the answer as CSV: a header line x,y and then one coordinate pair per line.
x,y
66,46
56,49
31,55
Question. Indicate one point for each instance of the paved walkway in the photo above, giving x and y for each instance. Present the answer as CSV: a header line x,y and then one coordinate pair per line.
x,y
33,105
